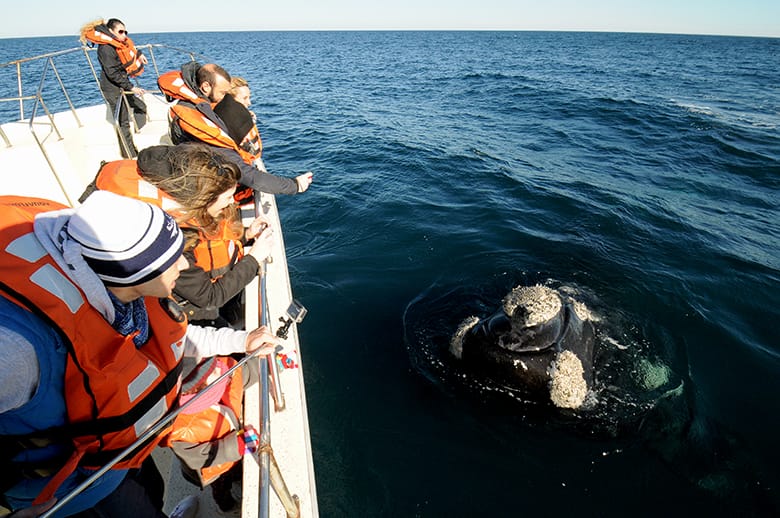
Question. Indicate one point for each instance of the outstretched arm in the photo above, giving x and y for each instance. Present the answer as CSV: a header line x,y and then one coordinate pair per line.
x,y
258,180
202,342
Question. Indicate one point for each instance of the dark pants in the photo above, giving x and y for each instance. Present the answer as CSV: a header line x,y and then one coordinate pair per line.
x,y
231,314
140,495
124,133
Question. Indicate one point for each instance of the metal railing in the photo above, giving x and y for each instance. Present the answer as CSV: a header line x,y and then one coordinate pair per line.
x,y
65,99
270,473
17,64
151,48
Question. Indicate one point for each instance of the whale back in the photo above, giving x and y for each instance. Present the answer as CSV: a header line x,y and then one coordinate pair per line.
x,y
519,344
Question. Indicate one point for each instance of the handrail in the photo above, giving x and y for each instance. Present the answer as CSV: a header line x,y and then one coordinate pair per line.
x,y
49,57
151,47
18,64
38,97
148,434
270,473
265,414
21,97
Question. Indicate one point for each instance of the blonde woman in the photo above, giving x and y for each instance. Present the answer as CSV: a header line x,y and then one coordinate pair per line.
x,y
240,91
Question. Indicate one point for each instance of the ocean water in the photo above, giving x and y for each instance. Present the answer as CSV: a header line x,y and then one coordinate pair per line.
x,y
639,172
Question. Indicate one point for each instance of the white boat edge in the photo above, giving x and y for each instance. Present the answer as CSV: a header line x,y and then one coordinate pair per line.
x,y
76,142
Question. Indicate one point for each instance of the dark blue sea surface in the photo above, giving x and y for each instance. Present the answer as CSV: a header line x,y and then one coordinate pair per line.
x,y
639,171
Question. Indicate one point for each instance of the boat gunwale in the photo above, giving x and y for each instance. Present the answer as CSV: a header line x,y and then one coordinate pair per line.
x,y
30,147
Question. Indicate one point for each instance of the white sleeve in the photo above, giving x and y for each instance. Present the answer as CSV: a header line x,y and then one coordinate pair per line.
x,y
203,342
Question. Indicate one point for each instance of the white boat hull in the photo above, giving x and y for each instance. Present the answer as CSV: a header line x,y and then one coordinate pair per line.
x,y
75,145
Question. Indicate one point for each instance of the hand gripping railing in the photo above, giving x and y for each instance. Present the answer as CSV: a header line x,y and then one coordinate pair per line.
x,y
145,436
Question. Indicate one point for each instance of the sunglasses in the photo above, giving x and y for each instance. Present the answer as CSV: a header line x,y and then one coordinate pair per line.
x,y
121,31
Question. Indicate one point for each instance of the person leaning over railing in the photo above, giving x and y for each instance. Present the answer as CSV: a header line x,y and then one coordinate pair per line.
x,y
196,185
196,90
119,61
92,349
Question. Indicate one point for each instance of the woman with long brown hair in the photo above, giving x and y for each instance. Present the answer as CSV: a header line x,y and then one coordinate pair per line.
x,y
196,185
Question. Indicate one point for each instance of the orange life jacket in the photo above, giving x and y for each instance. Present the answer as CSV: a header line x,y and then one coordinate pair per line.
x,y
128,55
252,143
218,253
215,254
194,122
221,417
114,391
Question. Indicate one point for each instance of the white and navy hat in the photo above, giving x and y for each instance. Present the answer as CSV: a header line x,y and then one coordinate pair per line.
x,y
125,241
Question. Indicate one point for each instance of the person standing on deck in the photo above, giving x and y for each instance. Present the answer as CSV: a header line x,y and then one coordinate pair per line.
x,y
119,61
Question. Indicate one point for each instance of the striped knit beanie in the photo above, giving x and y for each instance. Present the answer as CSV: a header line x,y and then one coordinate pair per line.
x,y
125,241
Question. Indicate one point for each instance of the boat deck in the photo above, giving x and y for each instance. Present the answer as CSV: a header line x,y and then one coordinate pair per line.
x,y
75,146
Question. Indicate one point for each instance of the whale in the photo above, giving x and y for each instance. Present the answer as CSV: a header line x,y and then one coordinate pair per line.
x,y
540,343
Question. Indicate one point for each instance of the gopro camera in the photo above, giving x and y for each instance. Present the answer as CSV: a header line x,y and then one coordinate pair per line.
x,y
295,313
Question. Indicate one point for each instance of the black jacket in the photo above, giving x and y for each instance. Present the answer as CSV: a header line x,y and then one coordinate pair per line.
x,y
114,72
251,176
201,298
198,295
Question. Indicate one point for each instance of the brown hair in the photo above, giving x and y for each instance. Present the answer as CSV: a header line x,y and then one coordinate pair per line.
x,y
198,176
209,72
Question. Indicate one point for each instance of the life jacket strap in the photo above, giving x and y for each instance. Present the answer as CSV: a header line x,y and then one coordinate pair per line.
x,y
56,481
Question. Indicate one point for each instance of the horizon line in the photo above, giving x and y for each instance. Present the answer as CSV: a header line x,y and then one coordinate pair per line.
x,y
601,31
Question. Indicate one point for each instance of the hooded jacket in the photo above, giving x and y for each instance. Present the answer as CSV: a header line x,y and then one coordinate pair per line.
x,y
114,390
193,120
42,272
206,285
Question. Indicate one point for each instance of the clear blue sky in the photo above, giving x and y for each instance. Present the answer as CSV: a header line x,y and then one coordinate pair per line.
x,y
728,17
